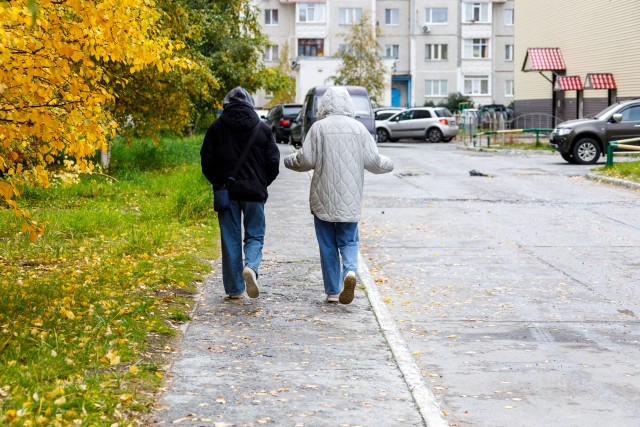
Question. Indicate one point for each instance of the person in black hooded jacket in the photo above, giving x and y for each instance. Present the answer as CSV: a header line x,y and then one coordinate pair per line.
x,y
221,150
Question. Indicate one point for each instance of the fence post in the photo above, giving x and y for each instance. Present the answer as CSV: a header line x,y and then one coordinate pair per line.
x,y
612,146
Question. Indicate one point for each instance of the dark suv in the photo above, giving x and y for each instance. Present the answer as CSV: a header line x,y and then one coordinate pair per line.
x,y
279,120
582,141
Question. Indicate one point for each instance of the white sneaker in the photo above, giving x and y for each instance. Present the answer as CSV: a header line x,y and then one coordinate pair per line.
x,y
251,282
349,288
333,298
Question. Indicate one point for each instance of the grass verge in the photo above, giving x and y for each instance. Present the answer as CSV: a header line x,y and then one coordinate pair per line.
x,y
86,310
628,170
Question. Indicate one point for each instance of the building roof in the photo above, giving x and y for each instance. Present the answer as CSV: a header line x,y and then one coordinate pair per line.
x,y
568,83
543,59
600,81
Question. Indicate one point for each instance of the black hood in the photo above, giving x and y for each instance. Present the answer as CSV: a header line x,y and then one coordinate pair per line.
x,y
238,109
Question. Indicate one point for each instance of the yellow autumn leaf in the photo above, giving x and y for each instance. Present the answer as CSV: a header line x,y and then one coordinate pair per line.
x,y
67,313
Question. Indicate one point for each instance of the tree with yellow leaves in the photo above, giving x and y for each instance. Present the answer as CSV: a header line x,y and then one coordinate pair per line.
x,y
55,92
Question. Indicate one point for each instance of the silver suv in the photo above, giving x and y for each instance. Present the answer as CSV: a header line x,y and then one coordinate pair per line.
x,y
434,124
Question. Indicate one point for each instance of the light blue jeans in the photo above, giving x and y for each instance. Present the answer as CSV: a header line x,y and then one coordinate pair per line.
x,y
336,239
251,216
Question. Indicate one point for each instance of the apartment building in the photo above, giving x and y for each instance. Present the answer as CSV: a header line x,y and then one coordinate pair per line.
x,y
573,58
431,47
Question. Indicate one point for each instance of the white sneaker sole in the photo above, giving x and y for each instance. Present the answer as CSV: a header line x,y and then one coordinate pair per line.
x,y
332,298
250,282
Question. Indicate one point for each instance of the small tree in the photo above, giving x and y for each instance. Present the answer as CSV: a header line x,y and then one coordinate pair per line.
x,y
454,99
283,89
361,65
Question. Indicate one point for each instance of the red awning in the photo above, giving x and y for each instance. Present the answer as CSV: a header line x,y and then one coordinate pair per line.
x,y
600,81
543,59
568,83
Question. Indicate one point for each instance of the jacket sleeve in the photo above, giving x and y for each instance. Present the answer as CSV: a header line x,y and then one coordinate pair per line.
x,y
375,162
207,161
272,155
305,159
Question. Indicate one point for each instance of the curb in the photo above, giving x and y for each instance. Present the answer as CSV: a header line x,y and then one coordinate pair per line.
x,y
506,151
615,181
422,395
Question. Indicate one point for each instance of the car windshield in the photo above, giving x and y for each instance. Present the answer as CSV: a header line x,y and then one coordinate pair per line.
x,y
361,106
385,115
605,111
443,112
290,110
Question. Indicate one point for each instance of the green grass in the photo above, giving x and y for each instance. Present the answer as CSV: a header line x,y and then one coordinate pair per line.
x,y
540,146
628,170
85,311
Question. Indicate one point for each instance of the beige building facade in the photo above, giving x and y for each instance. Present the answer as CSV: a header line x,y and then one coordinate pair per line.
x,y
431,47
593,37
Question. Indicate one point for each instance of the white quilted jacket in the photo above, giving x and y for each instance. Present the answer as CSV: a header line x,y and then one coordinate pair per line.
x,y
338,148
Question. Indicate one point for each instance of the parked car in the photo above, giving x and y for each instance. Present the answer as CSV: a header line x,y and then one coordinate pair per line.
x,y
382,115
279,119
361,104
433,123
582,141
262,114
386,112
295,134
487,114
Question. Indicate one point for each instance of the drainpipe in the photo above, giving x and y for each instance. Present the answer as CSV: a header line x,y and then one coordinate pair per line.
x,y
412,50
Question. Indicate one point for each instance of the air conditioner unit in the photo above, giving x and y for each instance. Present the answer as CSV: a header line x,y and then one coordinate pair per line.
x,y
426,29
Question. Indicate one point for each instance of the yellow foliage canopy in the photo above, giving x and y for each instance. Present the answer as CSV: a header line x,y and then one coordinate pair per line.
x,y
54,87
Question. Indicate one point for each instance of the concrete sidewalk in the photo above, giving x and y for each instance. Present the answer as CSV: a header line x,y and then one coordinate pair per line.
x,y
288,358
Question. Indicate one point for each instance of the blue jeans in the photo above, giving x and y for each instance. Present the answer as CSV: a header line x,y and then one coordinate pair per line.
x,y
336,239
251,215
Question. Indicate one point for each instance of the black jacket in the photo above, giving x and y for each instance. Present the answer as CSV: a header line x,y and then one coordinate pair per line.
x,y
224,143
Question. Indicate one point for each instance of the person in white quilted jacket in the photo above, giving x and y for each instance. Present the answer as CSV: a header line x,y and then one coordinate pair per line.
x,y
338,148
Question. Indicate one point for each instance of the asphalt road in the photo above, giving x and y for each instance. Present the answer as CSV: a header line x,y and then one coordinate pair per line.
x,y
517,292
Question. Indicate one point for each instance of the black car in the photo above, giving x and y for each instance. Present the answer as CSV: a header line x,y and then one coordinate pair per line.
x,y
582,141
295,136
279,119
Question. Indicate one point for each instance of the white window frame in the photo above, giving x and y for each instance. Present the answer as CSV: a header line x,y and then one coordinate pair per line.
x,y
434,52
345,48
473,85
271,53
473,46
476,12
508,88
436,88
271,17
349,15
429,15
508,17
313,13
508,52
392,51
392,17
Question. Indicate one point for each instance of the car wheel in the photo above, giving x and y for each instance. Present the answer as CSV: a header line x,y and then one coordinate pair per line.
x,y
275,136
586,151
434,135
383,135
568,157
290,142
